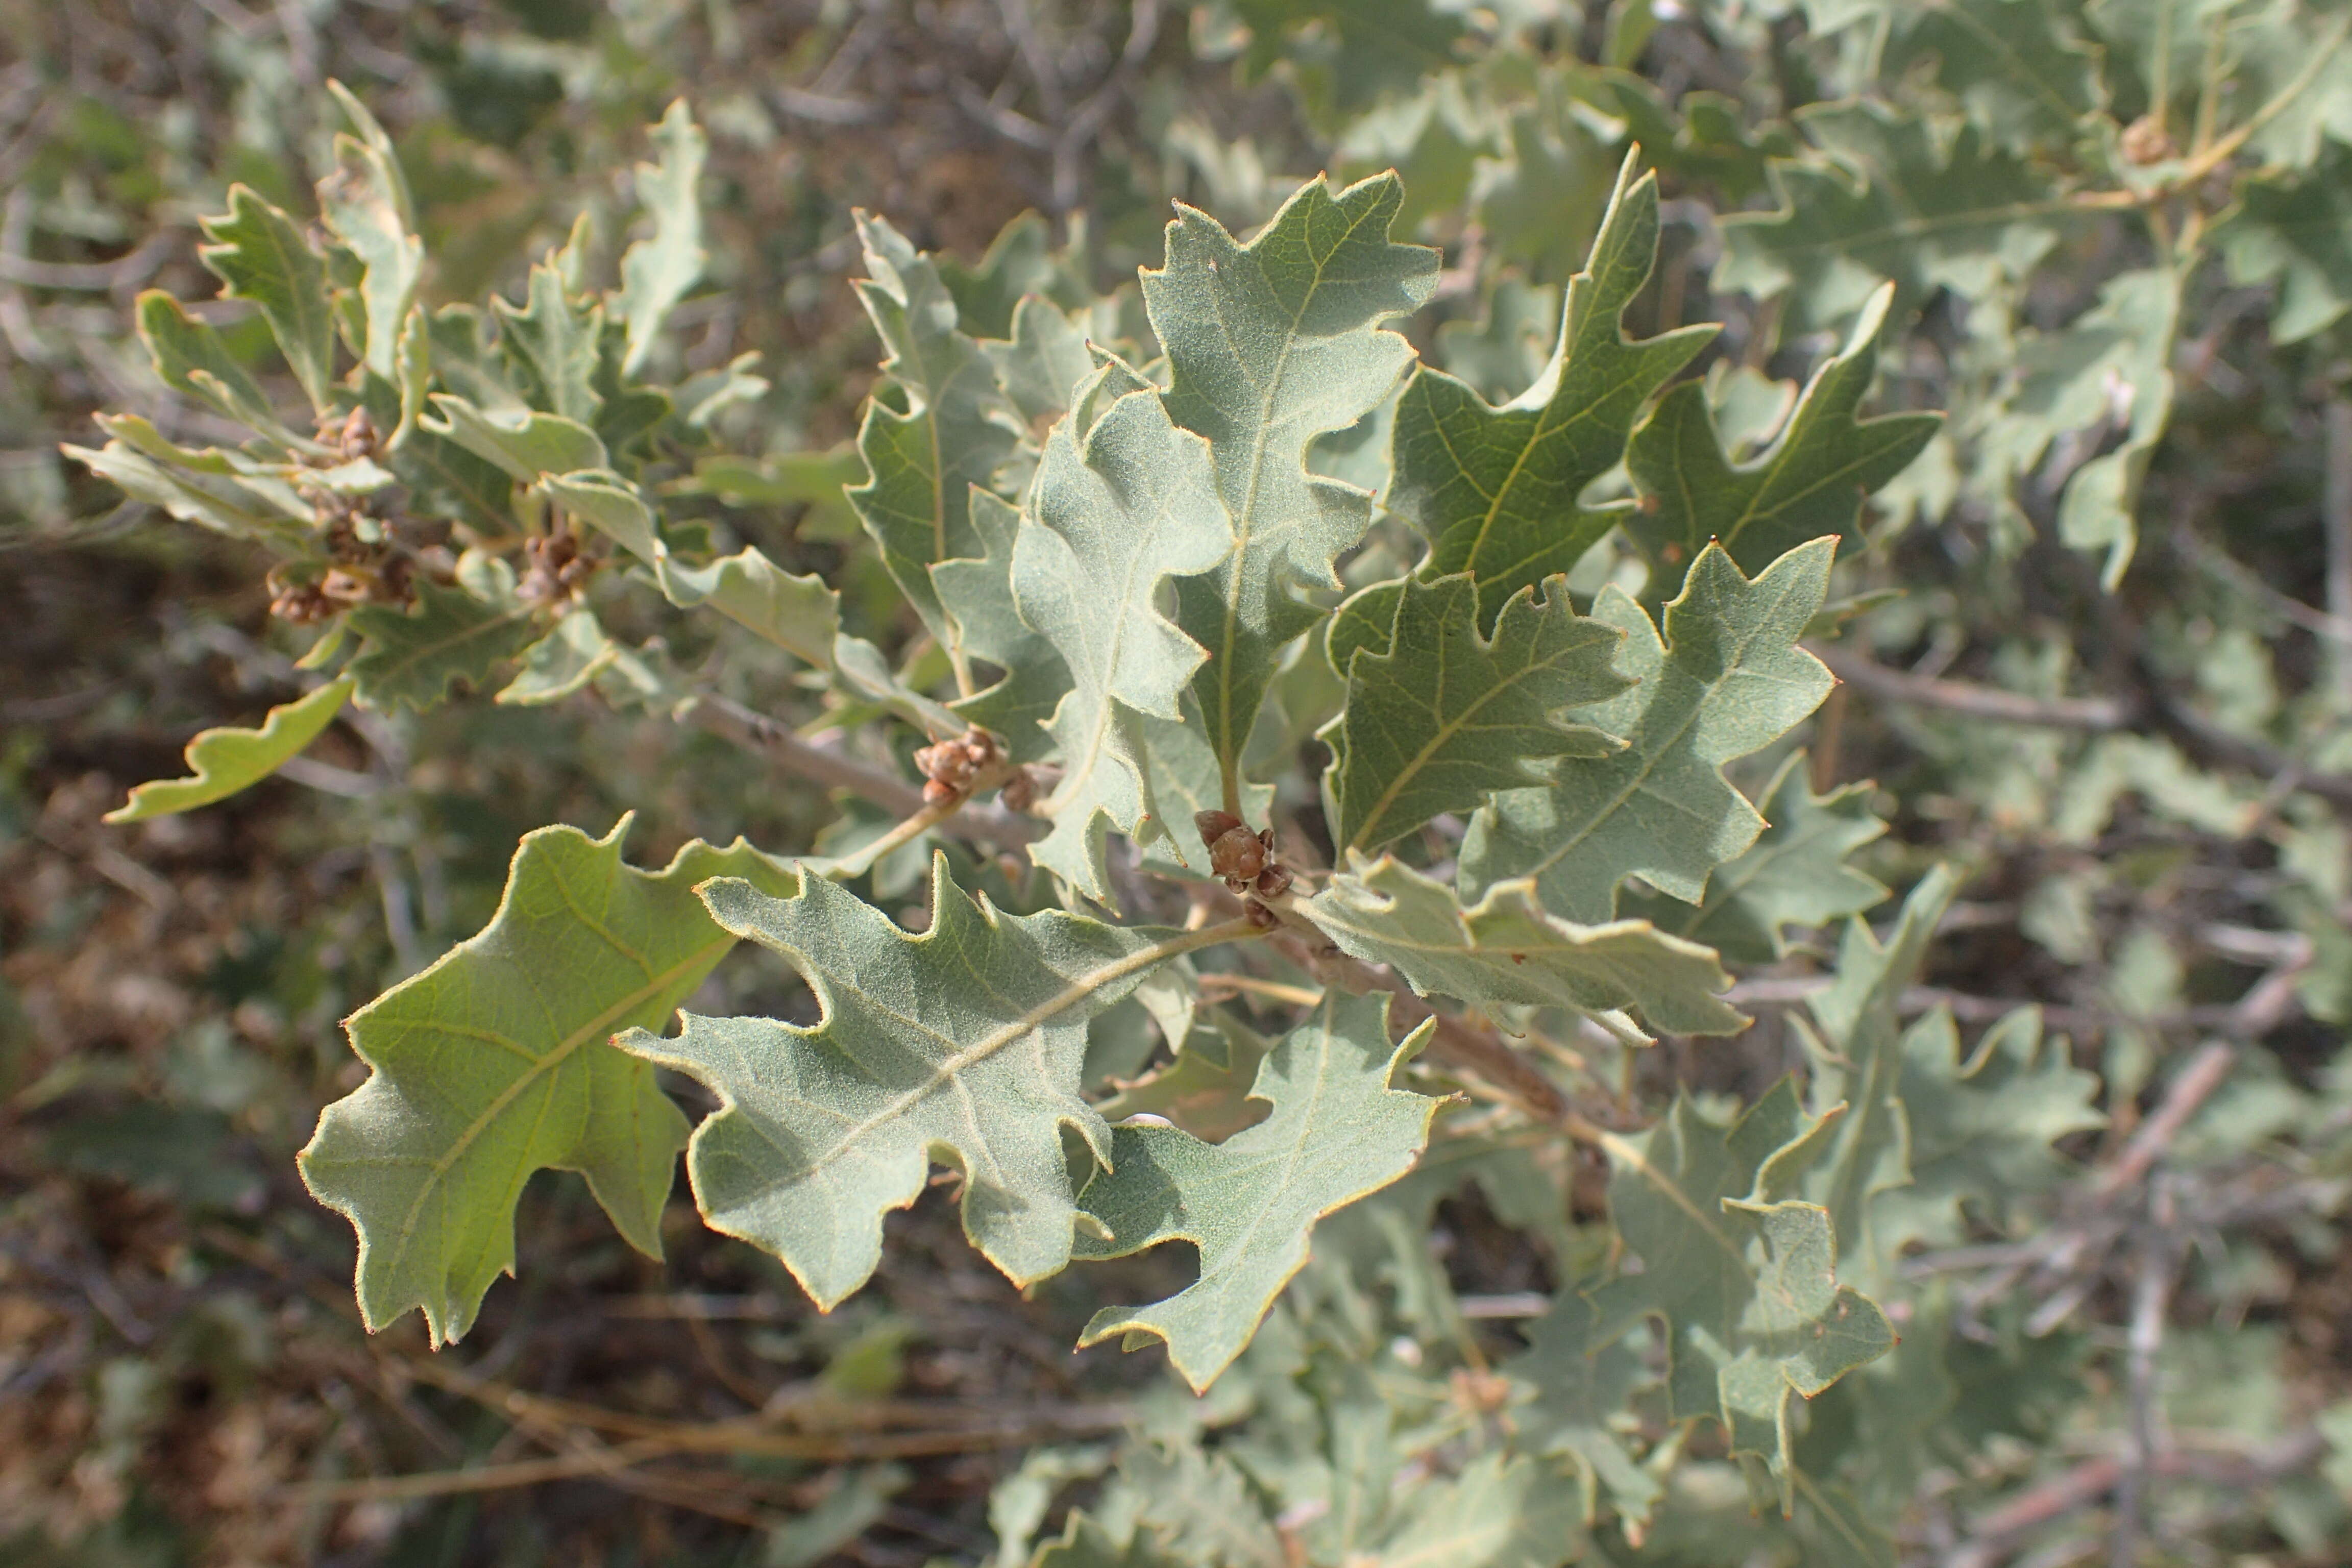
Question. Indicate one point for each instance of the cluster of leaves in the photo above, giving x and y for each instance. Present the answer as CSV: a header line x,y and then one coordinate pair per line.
x,y
1477,643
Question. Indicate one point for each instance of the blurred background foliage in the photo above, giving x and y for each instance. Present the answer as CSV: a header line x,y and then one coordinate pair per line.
x,y
2166,874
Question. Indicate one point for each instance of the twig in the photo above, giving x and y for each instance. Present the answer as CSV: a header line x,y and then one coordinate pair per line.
x,y
1999,1533
2095,714
756,732
2336,522
2195,1085
2151,1292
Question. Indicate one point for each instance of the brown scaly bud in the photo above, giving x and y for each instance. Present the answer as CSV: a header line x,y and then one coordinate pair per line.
x,y
357,437
1235,854
301,603
1020,791
952,767
1274,881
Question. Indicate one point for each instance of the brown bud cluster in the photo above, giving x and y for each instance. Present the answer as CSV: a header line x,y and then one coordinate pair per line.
x,y
553,569
369,555
1244,859
352,437
950,767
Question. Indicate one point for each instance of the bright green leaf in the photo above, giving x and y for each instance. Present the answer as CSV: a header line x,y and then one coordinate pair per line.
x,y
551,344
1495,490
526,443
225,761
656,273
495,1063
1809,482
363,202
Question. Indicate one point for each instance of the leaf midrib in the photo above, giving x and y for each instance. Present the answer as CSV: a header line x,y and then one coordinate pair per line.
x,y
599,1025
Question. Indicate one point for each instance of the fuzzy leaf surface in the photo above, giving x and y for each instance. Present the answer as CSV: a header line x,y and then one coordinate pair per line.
x,y
976,593
1506,948
551,344
656,271
259,254
410,659
1742,1278
1857,1057
1444,717
1795,874
1495,490
1810,482
189,354
496,1062
1336,1132
1582,1379
1499,1512
1887,198
225,759
799,614
948,428
1114,515
1270,345
964,1045
1727,679
364,203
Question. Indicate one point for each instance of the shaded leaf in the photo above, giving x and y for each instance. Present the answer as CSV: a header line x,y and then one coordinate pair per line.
x,y
1811,480
494,1063
976,595
1795,874
1582,1379
946,428
561,662
1499,1512
1889,197
1742,1278
2296,232
409,659
1444,717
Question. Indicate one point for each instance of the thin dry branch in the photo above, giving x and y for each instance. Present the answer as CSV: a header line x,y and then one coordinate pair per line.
x,y
2095,714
